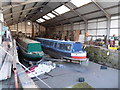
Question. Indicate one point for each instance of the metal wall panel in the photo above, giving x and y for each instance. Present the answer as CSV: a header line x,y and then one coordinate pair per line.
x,y
94,20
101,32
92,32
65,27
113,31
69,27
102,19
114,24
76,27
82,26
114,17
92,25
102,24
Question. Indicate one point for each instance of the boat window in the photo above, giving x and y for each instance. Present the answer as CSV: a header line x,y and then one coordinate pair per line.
x,y
58,45
55,45
67,47
51,44
62,46
47,43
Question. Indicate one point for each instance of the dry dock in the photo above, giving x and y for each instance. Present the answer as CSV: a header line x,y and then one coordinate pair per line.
x,y
68,74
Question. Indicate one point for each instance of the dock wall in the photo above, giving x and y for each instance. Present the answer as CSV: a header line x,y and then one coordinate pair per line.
x,y
104,56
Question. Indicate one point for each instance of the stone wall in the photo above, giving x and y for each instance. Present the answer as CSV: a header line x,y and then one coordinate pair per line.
x,y
104,56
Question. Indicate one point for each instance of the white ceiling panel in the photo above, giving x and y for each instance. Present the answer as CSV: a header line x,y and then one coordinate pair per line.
x,y
75,19
69,14
94,15
112,10
105,4
7,17
88,8
16,9
38,4
53,4
6,12
5,2
25,13
29,5
16,15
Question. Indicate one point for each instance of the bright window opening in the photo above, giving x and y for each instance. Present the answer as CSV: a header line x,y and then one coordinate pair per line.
x,y
79,3
40,20
29,23
62,9
46,17
51,15
55,13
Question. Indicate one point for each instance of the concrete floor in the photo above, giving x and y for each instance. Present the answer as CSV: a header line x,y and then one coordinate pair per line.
x,y
68,74
8,84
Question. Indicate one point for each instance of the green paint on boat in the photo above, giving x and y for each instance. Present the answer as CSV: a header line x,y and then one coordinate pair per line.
x,y
34,47
30,49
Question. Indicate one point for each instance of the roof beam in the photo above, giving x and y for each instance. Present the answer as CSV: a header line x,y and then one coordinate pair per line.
x,y
11,12
106,14
70,6
23,10
101,8
21,13
22,3
31,9
61,16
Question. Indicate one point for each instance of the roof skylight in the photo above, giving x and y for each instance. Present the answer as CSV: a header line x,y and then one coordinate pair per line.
x,y
46,17
55,13
62,9
79,3
51,15
40,20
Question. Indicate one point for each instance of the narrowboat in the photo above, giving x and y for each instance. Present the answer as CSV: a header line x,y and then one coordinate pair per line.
x,y
69,50
30,49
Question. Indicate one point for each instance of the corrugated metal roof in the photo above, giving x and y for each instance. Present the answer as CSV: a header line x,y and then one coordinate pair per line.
x,y
22,10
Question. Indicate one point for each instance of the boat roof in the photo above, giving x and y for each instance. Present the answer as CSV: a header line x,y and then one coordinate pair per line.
x,y
58,40
27,40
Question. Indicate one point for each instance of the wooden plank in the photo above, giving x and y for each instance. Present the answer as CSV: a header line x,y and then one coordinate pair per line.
x,y
25,80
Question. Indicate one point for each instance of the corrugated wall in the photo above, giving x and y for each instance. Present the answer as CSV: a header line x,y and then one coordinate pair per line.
x,y
95,27
27,29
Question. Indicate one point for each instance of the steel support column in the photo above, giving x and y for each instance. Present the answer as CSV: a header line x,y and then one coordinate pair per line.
x,y
106,14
